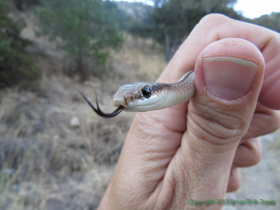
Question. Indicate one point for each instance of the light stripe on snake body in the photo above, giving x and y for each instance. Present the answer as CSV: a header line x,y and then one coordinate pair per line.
x,y
142,97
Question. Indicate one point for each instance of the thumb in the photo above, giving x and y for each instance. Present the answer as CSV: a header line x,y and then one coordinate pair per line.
x,y
228,79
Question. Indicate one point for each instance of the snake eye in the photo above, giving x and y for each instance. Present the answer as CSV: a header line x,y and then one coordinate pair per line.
x,y
146,91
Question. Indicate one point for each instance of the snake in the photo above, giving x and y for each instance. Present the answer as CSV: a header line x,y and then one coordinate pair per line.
x,y
148,96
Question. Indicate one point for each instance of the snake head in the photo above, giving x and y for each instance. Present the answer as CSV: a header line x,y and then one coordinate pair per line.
x,y
131,94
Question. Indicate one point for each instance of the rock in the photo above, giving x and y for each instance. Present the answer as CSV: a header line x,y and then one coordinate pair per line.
x,y
75,122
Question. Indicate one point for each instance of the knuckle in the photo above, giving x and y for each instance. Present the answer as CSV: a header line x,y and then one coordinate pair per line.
x,y
218,126
213,18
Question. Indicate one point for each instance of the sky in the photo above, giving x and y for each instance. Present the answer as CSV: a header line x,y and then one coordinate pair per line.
x,y
249,8
256,8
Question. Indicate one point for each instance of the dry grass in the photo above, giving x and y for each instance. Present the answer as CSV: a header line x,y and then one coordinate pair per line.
x,y
44,162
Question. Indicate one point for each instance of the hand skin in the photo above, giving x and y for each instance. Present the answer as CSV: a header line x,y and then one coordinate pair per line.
x,y
194,150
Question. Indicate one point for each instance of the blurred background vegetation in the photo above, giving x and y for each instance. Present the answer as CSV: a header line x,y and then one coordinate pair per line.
x,y
89,30
16,66
54,152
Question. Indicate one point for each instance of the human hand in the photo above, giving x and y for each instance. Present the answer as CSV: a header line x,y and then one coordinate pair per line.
x,y
193,150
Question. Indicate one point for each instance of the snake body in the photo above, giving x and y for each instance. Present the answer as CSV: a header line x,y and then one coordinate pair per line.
x,y
142,97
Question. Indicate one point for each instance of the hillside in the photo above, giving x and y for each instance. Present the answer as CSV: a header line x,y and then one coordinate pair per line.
x,y
55,152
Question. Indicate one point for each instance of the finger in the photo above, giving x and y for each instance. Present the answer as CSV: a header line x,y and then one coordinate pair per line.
x,y
264,121
220,27
248,153
228,78
234,179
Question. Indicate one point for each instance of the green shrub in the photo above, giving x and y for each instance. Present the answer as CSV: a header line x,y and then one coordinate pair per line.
x,y
16,66
86,30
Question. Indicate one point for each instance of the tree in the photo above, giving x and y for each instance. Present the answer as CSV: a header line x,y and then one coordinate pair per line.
x,y
174,19
16,66
22,4
135,18
86,30
271,21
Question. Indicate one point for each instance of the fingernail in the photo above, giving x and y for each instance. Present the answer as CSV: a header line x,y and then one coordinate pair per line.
x,y
227,77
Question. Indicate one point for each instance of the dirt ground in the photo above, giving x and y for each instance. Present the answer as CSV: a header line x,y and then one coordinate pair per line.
x,y
261,181
55,153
